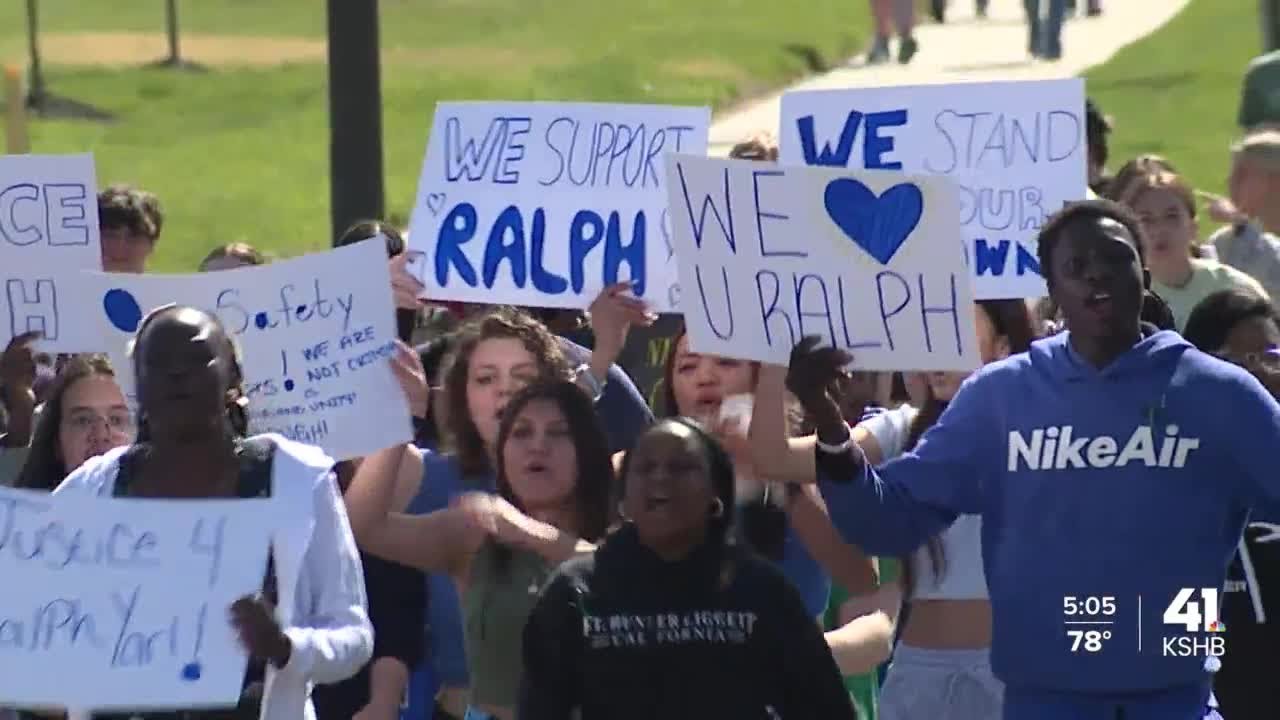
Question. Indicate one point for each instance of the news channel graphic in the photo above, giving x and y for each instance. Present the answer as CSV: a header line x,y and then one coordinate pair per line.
x,y
1186,625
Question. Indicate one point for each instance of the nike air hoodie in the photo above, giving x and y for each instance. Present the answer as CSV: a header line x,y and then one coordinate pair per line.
x,y
624,635
1124,484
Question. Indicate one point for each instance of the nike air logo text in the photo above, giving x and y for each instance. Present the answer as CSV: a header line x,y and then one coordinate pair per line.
x,y
1054,448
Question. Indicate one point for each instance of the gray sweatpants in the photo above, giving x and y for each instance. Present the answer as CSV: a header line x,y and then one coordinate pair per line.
x,y
924,684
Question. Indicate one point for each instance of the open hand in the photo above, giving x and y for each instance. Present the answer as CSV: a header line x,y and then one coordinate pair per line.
x,y
407,366
405,288
613,312
254,620
18,363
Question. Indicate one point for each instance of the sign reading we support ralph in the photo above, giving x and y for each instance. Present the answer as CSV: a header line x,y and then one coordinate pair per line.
x,y
1016,150
545,204
48,233
872,262
115,603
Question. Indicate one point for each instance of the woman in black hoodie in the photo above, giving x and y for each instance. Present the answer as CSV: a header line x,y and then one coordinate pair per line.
x,y
668,619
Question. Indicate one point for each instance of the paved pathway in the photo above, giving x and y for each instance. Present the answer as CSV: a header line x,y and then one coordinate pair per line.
x,y
967,48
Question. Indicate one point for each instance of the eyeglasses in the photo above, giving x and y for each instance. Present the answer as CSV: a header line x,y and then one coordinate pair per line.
x,y
86,422
1268,359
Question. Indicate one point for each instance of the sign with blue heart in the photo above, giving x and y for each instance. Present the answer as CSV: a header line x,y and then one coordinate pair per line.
x,y
873,262
544,204
1015,150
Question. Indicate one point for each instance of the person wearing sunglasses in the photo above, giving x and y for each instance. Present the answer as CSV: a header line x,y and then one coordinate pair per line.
x,y
1243,328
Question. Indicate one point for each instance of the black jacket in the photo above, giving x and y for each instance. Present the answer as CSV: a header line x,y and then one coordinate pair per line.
x,y
623,634
1246,685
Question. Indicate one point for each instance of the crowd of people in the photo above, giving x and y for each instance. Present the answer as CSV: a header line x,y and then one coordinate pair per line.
x,y
898,17
576,533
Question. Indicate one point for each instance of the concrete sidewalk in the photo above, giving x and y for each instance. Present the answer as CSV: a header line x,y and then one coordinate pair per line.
x,y
969,49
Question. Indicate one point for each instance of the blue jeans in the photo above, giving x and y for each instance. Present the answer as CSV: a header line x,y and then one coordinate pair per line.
x,y
1044,27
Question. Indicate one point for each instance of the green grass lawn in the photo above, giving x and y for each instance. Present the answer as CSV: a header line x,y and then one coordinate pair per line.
x,y
243,154
1177,91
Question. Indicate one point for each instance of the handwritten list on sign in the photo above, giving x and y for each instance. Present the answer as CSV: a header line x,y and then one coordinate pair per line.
x,y
1016,151
316,332
872,262
544,204
48,232
114,603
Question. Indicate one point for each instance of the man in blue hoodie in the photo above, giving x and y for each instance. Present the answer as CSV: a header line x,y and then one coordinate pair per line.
x,y
1113,464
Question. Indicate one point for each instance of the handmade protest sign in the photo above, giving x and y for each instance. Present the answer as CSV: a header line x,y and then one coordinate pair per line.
x,y
114,603
48,233
316,333
1016,150
544,204
872,262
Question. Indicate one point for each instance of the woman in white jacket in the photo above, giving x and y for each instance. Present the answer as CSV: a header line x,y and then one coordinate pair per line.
x,y
309,624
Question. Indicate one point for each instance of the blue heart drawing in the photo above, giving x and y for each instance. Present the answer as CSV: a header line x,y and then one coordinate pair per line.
x,y
879,225
435,203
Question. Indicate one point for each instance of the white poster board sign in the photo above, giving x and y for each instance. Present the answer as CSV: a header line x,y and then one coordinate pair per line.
x,y
543,204
872,262
48,233
1016,149
316,335
114,603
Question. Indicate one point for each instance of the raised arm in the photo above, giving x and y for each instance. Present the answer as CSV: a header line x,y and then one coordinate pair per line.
x,y
790,459
894,510
846,564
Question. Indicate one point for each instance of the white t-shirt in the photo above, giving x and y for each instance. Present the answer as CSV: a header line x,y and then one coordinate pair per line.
x,y
962,575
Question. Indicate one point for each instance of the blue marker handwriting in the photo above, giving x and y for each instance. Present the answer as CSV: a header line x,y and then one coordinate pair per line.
x,y
594,154
875,142
298,304
764,269
857,314
1000,141
32,305
110,624
44,215
516,244
28,534
970,141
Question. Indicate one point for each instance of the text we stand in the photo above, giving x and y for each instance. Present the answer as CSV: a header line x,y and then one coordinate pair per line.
x,y
1015,152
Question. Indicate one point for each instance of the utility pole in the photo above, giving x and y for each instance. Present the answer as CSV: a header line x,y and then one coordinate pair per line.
x,y
171,27
1269,12
36,92
355,114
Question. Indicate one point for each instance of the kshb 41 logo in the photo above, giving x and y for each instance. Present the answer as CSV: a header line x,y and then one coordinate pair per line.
x,y
1195,616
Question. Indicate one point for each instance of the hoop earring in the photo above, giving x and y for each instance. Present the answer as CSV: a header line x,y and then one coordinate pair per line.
x,y
717,508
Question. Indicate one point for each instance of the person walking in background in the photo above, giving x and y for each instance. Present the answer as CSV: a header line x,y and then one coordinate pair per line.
x,y
938,9
1044,27
888,14
1165,204
1248,242
1097,128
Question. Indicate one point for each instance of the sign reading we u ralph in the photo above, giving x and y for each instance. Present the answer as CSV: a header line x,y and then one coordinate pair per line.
x,y
872,262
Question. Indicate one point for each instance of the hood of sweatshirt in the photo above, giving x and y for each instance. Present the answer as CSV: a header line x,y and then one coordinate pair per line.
x,y
1159,350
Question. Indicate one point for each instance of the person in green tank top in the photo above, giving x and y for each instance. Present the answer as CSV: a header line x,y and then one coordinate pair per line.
x,y
860,633
554,482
